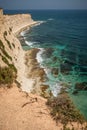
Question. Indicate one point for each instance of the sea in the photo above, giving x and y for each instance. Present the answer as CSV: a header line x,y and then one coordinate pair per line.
x,y
61,36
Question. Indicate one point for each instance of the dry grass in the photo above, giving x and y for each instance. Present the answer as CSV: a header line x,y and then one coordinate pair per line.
x,y
63,110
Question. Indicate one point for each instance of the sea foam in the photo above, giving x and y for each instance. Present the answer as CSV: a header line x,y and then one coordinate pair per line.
x,y
23,33
50,19
39,57
56,89
39,23
29,43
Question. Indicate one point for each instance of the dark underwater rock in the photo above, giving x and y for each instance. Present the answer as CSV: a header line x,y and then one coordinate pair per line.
x,y
65,68
55,59
48,52
55,71
75,92
81,86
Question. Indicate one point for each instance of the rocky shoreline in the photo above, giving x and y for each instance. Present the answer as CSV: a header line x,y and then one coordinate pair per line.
x,y
34,71
37,73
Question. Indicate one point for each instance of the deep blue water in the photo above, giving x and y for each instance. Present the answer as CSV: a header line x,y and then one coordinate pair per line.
x,y
63,36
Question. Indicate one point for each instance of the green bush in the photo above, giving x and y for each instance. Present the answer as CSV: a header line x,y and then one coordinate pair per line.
x,y
10,65
18,84
10,30
7,75
5,33
8,44
6,54
66,128
5,60
13,67
3,50
1,45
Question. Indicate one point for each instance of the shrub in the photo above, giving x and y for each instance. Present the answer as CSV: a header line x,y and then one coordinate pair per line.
x,y
65,128
8,44
5,33
6,54
3,50
1,45
10,65
13,45
13,67
7,75
10,29
63,110
18,84
5,60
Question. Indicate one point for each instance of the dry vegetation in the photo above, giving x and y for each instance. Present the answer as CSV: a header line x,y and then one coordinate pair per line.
x,y
7,75
63,110
9,44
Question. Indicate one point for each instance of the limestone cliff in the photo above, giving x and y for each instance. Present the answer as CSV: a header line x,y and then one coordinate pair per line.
x,y
19,21
11,52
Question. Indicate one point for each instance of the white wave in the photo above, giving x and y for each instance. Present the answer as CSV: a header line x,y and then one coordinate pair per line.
x,y
50,19
22,33
56,89
54,85
47,71
39,57
39,23
29,43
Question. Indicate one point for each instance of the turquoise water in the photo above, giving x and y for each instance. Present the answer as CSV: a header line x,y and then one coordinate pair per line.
x,y
63,37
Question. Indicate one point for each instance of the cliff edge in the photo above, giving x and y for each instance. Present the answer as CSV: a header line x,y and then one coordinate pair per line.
x,y
11,52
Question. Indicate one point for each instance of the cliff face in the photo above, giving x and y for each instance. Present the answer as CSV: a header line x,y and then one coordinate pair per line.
x,y
9,45
18,22
11,52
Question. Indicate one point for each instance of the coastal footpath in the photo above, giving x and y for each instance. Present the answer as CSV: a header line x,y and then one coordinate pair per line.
x,y
20,110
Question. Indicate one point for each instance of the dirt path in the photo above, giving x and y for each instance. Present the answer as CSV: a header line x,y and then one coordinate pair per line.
x,y
20,111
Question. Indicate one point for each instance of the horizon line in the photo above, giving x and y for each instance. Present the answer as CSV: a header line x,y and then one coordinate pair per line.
x,y
44,9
